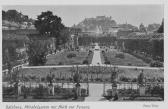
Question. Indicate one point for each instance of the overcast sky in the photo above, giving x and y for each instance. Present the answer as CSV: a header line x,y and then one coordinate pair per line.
x,y
132,14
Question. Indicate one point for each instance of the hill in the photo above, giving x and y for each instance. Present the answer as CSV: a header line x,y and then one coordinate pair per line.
x,y
100,24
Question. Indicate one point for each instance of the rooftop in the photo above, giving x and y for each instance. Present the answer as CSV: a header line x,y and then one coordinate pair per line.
x,y
138,35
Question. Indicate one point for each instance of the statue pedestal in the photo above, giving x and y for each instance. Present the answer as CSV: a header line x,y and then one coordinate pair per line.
x,y
78,90
142,90
19,88
114,91
51,90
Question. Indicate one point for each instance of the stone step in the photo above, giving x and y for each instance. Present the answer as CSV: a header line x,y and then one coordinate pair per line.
x,y
95,99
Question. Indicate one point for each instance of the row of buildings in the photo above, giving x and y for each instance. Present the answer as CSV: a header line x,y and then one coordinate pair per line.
x,y
106,25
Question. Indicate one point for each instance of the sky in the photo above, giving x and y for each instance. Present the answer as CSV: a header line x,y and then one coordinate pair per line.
x,y
73,14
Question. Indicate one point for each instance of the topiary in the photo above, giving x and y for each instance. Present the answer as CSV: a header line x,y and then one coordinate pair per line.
x,y
71,55
60,63
120,55
85,62
107,62
156,64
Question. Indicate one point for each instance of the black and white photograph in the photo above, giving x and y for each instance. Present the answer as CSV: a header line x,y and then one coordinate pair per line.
x,y
83,53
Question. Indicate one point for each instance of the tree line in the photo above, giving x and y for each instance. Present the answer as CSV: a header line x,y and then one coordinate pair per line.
x,y
86,40
149,50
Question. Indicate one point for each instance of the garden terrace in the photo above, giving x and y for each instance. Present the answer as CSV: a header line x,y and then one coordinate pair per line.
x,y
106,40
20,31
137,35
115,57
13,40
69,58
148,47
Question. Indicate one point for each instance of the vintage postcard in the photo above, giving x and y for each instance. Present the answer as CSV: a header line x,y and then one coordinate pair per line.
x,y
82,54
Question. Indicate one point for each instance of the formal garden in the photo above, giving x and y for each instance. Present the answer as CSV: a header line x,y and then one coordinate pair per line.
x,y
60,64
116,57
66,57
147,47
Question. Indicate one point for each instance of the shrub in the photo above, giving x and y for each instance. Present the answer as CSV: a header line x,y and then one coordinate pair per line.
x,y
107,62
60,63
156,64
83,93
120,55
129,64
145,59
157,90
105,58
39,92
57,89
85,62
42,79
103,52
97,79
71,55
90,51
124,79
134,80
9,90
50,52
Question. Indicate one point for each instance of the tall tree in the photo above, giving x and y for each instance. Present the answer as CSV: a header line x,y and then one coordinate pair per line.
x,y
13,15
49,24
3,15
161,28
37,51
64,35
142,28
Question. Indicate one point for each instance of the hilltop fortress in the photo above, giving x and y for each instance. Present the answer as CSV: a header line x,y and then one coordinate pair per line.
x,y
99,25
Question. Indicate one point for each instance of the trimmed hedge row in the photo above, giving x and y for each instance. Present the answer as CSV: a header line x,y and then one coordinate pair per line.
x,y
86,40
149,47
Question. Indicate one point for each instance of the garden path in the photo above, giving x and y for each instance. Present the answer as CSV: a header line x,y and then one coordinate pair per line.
x,y
96,56
95,93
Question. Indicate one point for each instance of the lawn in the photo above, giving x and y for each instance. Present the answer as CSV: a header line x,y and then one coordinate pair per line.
x,y
128,59
62,59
